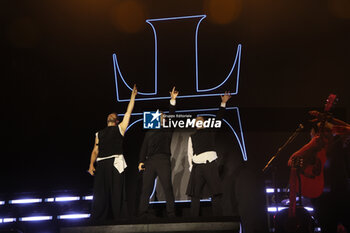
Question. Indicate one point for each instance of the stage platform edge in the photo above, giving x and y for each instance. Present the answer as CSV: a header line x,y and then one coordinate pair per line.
x,y
232,227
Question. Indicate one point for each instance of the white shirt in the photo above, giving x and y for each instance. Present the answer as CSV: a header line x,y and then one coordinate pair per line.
x,y
119,161
202,158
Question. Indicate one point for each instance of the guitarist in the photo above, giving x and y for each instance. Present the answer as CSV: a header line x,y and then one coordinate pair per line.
x,y
327,147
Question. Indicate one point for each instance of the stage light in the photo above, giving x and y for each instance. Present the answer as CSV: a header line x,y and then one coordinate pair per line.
x,y
275,209
73,216
224,11
128,16
7,220
179,201
88,198
51,199
270,190
25,201
340,8
62,199
35,218
310,209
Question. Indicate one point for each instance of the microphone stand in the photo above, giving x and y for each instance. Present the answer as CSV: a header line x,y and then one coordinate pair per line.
x,y
270,162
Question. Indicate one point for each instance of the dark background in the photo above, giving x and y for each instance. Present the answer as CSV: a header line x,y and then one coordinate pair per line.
x,y
57,81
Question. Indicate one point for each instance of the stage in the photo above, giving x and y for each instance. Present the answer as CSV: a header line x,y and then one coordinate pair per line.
x,y
223,224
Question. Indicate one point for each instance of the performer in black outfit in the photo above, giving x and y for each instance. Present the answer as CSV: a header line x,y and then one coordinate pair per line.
x,y
109,173
202,158
155,161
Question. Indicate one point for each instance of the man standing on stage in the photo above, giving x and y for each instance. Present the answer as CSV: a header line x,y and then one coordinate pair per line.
x,y
155,161
109,173
202,158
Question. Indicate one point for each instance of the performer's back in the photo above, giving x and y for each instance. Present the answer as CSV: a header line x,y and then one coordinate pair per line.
x,y
110,141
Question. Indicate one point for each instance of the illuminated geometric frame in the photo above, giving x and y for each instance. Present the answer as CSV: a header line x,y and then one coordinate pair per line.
x,y
144,96
199,92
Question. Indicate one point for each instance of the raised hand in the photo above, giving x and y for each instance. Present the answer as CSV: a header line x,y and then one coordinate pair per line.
x,y
141,167
173,93
225,97
134,91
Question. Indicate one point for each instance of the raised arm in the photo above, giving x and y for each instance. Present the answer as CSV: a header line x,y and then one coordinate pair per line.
x,y
93,158
124,124
224,99
173,95
310,149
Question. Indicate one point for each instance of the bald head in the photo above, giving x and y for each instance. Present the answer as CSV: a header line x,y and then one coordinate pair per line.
x,y
112,119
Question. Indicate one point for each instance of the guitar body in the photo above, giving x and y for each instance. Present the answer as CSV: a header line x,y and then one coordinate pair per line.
x,y
312,176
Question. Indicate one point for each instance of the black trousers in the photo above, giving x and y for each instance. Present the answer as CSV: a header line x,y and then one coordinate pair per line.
x,y
108,192
202,174
157,165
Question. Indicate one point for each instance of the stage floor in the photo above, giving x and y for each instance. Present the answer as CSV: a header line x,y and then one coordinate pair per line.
x,y
163,225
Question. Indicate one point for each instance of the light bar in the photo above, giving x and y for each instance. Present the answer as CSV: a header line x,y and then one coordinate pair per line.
x,y
35,218
25,201
88,198
270,190
7,220
61,199
2,202
310,209
73,216
276,209
51,199
179,201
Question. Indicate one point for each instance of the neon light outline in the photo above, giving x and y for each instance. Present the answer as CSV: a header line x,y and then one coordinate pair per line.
x,y
35,218
25,201
73,216
149,21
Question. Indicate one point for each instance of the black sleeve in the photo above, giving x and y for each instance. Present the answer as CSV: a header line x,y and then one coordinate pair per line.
x,y
172,109
221,113
144,148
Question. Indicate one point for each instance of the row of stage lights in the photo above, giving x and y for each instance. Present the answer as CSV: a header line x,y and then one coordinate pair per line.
x,y
47,200
89,198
